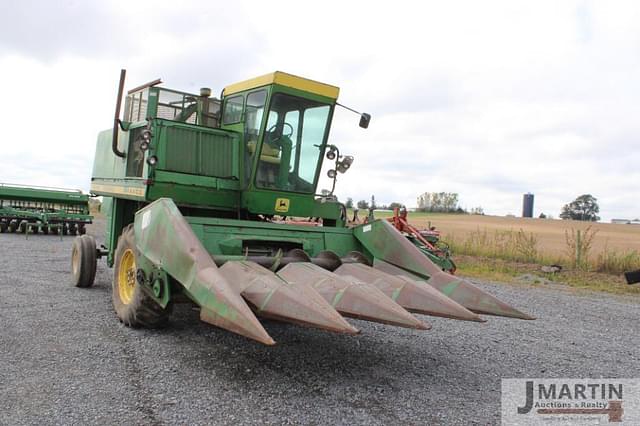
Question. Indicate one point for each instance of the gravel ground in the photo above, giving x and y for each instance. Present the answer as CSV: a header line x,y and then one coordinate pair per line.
x,y
65,359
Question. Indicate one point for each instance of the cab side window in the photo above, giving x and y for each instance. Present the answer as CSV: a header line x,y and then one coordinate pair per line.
x,y
233,109
252,123
254,113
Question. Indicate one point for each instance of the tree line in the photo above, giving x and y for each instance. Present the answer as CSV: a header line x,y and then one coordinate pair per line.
x,y
585,207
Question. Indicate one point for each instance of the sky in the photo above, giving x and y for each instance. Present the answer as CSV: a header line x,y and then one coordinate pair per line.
x,y
488,99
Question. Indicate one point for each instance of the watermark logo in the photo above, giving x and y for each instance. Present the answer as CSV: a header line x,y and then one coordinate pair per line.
x,y
571,401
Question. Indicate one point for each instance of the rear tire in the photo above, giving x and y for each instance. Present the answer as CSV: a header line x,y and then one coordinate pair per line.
x,y
133,306
82,229
83,261
3,227
13,225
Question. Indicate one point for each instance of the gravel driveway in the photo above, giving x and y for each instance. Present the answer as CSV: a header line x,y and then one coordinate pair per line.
x,y
65,359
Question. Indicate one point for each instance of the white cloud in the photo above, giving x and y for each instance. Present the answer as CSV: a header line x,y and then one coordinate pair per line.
x,y
489,99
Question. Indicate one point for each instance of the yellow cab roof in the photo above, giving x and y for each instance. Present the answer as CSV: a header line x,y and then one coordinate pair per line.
x,y
287,80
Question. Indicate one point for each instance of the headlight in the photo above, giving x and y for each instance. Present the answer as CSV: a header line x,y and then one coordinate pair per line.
x,y
346,162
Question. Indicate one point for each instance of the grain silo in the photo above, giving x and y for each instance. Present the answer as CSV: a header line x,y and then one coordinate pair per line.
x,y
527,205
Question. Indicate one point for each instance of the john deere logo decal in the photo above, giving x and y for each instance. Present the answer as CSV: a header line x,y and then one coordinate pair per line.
x,y
282,205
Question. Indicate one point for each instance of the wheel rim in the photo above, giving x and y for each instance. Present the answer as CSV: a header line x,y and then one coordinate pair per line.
x,y
127,276
75,261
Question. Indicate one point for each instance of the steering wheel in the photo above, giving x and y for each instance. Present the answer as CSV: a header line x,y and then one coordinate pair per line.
x,y
285,124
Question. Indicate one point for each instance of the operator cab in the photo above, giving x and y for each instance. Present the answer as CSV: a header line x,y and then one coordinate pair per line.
x,y
285,121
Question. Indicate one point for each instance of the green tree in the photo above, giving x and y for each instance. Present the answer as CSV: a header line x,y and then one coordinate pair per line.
x,y
395,205
349,203
363,204
585,208
438,202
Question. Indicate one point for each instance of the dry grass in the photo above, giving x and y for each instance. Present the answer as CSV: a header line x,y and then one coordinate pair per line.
x,y
509,271
510,245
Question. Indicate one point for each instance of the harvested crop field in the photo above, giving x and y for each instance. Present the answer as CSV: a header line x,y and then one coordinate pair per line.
x,y
65,358
550,232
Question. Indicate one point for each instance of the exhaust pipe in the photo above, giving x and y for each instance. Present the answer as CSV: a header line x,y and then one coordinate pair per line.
x,y
116,118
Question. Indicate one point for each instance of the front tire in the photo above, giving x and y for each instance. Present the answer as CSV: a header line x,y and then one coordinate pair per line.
x,y
83,261
133,306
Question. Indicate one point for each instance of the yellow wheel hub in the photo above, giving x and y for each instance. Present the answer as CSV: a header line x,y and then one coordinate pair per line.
x,y
127,276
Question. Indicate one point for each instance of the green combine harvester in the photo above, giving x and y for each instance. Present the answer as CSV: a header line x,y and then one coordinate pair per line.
x,y
36,209
196,192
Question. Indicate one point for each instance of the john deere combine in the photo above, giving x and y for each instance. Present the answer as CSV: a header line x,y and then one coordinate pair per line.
x,y
48,210
196,190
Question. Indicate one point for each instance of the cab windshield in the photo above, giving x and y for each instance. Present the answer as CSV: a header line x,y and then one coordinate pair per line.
x,y
291,153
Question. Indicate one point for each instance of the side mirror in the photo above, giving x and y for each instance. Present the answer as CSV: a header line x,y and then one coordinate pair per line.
x,y
364,120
